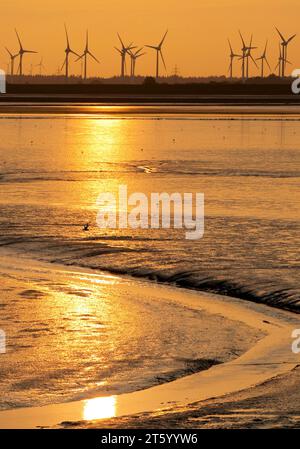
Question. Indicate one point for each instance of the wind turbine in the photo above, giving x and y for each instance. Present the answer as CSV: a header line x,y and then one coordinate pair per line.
x,y
12,60
232,56
85,55
159,54
21,53
278,66
263,59
284,43
281,61
249,56
123,52
41,66
68,51
244,55
134,57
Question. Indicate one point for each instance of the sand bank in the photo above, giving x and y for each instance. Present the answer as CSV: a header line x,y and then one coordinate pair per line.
x,y
270,357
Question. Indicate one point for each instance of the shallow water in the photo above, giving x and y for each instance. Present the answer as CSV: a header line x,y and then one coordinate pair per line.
x,y
75,335
52,169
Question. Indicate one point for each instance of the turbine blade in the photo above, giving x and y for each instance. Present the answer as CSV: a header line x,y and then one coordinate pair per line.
x,y
151,46
291,38
138,51
123,46
242,39
253,60
250,46
21,48
10,54
163,60
130,47
268,64
79,57
282,38
230,46
163,39
74,53
94,57
67,36
65,61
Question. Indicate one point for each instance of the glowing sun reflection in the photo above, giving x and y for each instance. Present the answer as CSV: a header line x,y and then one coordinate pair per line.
x,y
99,408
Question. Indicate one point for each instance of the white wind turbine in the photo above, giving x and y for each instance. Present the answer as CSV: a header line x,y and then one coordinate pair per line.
x,y
249,56
123,52
21,54
159,54
85,55
68,51
281,61
246,55
41,66
134,56
263,59
12,60
232,57
284,44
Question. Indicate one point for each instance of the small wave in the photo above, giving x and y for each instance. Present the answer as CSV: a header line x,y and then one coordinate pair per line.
x,y
115,259
185,168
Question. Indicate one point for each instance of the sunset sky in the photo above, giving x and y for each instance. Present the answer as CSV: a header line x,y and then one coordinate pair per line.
x,y
197,40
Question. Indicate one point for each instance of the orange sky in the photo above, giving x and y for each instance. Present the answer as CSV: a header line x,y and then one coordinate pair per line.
x,y
197,31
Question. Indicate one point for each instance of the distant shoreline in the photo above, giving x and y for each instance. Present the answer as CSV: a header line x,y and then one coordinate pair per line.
x,y
224,93
151,98
155,107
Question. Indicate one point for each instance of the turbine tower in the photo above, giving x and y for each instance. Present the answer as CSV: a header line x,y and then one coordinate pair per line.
x,y
263,59
246,55
232,56
123,52
159,54
85,55
41,66
68,51
249,56
284,44
12,60
21,54
134,57
281,61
